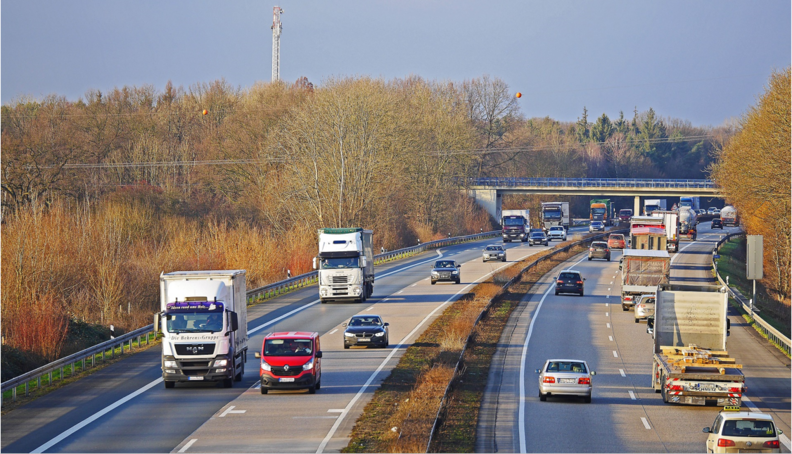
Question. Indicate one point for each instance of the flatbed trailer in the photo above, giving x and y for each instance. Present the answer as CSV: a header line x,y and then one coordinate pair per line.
x,y
690,362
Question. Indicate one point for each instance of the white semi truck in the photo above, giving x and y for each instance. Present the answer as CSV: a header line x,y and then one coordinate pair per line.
x,y
345,264
690,362
688,221
651,205
555,214
203,320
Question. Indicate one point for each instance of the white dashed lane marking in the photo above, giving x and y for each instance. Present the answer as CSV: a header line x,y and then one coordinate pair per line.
x,y
621,371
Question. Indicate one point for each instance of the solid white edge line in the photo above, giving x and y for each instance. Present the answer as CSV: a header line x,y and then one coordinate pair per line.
x,y
187,446
95,416
352,402
521,412
782,438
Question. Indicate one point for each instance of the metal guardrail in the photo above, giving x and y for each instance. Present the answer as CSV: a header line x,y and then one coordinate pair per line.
x,y
70,362
590,182
487,307
268,291
772,334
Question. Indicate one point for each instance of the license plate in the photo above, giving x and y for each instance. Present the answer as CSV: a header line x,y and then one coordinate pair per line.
x,y
195,378
567,380
707,388
364,340
284,380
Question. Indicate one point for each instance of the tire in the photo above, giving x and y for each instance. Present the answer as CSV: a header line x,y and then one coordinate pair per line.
x,y
228,383
263,390
319,384
581,293
625,308
238,376
556,292
483,261
434,282
589,259
542,397
637,320
504,259
170,384
530,244
609,258
322,301
587,399
457,281
312,389
346,347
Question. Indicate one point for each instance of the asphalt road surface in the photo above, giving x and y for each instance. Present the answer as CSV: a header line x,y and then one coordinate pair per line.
x,y
125,407
625,415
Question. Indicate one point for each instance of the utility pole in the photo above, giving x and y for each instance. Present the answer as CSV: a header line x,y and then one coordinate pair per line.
x,y
276,33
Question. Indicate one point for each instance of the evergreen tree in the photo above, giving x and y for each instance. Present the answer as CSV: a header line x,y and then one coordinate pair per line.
x,y
621,125
582,127
601,130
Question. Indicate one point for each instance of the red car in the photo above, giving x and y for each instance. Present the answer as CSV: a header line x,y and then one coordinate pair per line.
x,y
616,241
290,360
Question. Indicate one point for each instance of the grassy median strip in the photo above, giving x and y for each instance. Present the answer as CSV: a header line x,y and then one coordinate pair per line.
x,y
400,416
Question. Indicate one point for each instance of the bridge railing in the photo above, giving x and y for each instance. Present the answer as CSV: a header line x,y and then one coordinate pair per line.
x,y
58,369
588,182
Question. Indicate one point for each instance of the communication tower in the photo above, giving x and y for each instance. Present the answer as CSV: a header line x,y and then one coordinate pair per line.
x,y
276,32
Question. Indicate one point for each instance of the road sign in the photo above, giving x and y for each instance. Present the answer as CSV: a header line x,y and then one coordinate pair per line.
x,y
754,266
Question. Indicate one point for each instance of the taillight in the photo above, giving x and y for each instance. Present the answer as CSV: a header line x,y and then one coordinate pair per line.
x,y
580,282
771,444
584,381
559,281
591,249
607,250
628,298
548,380
676,388
724,442
734,390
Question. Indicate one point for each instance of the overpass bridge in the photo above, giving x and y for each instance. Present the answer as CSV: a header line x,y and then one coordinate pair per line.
x,y
488,192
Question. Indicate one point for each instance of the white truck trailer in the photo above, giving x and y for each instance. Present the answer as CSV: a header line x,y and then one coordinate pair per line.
x,y
729,216
651,205
642,271
515,225
690,362
672,228
688,222
204,325
345,264
554,214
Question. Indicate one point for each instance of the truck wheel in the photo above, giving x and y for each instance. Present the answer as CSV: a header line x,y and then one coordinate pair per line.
x,y
238,376
322,301
228,383
170,384
263,390
637,320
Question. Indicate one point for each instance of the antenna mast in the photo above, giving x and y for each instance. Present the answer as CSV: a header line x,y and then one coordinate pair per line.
x,y
276,33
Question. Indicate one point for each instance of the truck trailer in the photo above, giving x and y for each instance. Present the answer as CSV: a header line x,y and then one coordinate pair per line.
x,y
651,205
688,222
515,225
729,216
642,271
648,232
203,318
672,227
690,363
345,264
555,214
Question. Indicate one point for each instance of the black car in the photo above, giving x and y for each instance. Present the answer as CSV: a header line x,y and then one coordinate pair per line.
x,y
717,223
445,270
569,281
365,330
538,237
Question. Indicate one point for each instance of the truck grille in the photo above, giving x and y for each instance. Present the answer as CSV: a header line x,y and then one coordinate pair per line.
x,y
195,349
340,279
281,372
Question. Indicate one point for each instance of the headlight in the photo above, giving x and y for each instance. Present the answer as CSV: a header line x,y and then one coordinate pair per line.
x,y
308,365
380,334
356,291
221,363
522,235
323,292
349,334
265,366
435,273
170,363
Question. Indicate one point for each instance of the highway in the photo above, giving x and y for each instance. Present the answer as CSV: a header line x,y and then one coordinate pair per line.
x,y
625,415
125,407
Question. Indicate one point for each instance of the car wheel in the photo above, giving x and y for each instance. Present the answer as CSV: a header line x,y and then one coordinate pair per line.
x,y
504,259
170,384
319,384
625,308
434,282
312,390
263,390
556,292
346,347
457,281
587,399
609,258
483,261
542,397
581,293
589,259
637,320
530,244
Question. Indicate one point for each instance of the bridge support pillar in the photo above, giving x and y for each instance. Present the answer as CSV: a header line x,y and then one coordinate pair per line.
x,y
490,200
637,206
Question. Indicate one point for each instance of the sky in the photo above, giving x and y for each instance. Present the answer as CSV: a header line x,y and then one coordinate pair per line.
x,y
703,61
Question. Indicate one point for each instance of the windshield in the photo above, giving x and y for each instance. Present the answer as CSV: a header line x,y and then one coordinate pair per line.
x,y
556,229
287,347
625,213
617,237
514,221
600,211
444,264
494,248
569,276
194,322
336,263
567,366
365,321
555,214
748,428
537,235
651,208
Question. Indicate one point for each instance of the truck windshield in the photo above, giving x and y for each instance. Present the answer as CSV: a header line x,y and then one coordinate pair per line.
x,y
598,211
553,214
194,322
514,221
337,263
650,208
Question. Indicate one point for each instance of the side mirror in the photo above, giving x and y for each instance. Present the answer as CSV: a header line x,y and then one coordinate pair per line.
x,y
314,263
319,354
780,432
234,321
386,324
706,430
459,265
257,355
584,278
156,323
593,373
538,371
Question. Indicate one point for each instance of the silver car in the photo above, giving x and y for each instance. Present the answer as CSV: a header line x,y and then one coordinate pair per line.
x,y
565,377
557,233
494,252
644,307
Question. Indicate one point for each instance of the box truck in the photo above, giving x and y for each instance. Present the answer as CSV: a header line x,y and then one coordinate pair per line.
x,y
555,214
515,225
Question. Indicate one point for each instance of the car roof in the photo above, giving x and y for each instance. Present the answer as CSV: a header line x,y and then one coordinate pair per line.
x,y
569,271
599,242
365,316
745,415
575,360
291,335
557,227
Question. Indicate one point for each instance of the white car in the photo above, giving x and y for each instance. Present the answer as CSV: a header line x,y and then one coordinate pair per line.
x,y
565,377
743,431
644,307
557,233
